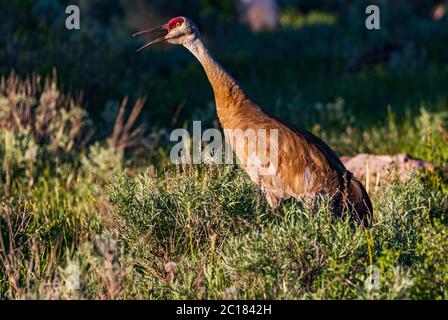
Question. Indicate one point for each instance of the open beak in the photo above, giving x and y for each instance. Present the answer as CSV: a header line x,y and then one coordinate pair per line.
x,y
163,29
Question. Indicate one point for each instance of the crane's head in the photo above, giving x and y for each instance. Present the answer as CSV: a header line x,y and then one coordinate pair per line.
x,y
178,31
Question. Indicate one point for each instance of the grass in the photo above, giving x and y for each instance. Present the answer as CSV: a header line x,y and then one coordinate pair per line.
x,y
96,223
290,18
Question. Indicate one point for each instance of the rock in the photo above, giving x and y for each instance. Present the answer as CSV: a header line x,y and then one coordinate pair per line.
x,y
260,14
377,167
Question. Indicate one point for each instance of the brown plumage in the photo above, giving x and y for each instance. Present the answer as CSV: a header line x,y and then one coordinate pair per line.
x,y
306,165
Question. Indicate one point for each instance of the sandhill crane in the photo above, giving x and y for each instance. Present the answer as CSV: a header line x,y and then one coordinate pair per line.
x,y
306,165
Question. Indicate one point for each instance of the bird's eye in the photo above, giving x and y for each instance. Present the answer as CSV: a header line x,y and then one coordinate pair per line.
x,y
175,23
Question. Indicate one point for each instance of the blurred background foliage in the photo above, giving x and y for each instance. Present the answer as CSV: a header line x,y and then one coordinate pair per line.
x,y
321,51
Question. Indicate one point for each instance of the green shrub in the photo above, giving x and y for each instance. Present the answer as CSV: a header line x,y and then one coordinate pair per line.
x,y
290,253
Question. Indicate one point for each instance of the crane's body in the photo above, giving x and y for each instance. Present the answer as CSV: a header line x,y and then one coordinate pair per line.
x,y
305,166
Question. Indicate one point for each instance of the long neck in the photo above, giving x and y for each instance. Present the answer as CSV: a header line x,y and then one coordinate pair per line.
x,y
229,94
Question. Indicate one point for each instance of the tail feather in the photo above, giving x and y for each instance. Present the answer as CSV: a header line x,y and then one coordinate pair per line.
x,y
359,201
